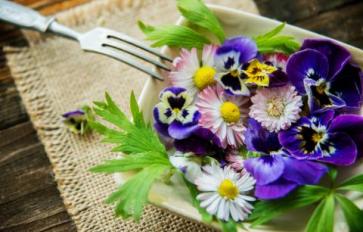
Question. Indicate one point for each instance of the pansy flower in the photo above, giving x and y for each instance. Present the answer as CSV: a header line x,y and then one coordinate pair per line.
x,y
276,108
76,121
192,74
225,193
175,115
223,115
322,71
321,138
276,173
230,59
279,77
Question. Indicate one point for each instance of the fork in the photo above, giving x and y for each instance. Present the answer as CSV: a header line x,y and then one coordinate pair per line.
x,y
99,40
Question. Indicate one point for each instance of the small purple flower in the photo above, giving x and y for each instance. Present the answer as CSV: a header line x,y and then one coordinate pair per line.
x,y
321,138
276,173
322,71
230,58
174,115
76,121
201,142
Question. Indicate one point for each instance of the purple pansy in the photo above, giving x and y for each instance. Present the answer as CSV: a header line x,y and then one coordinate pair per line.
x,y
174,115
276,173
201,142
322,70
320,137
76,121
230,59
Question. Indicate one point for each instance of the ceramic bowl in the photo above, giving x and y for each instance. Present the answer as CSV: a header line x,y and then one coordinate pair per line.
x,y
175,197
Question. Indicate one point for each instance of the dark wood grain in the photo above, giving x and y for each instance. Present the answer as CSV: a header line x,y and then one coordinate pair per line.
x,y
29,199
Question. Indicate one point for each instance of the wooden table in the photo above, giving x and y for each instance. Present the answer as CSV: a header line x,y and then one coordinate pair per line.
x,y
29,198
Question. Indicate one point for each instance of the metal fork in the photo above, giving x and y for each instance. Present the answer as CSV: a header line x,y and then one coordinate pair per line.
x,y
99,40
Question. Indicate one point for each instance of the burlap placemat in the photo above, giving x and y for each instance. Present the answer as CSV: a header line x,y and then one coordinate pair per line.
x,y
54,76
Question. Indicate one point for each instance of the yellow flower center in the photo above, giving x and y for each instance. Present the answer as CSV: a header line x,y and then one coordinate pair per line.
x,y
317,137
258,73
228,189
230,112
275,107
204,77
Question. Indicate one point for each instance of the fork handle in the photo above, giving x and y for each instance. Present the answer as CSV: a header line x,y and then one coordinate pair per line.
x,y
25,17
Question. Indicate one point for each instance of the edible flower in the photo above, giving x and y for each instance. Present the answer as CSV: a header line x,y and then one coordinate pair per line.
x,y
192,74
230,59
76,121
322,71
223,114
276,108
318,137
174,115
259,73
225,193
276,173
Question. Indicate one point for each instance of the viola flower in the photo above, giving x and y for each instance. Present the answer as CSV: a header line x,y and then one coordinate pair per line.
x,y
322,71
276,108
259,73
76,121
317,138
230,58
276,173
192,74
201,142
225,192
174,115
223,115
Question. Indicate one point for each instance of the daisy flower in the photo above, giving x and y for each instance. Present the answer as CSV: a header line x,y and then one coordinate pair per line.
x,y
192,74
276,108
223,114
225,192
234,160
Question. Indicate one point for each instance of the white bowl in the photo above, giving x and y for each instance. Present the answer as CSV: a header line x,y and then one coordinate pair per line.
x,y
176,197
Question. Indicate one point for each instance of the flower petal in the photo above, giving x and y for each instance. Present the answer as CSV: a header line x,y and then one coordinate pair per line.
x,y
336,54
277,189
179,131
345,150
303,171
265,169
307,63
246,48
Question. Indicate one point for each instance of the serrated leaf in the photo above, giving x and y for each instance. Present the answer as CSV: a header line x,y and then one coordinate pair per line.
x,y
206,217
133,195
196,12
353,184
353,215
306,195
137,115
322,219
272,33
173,36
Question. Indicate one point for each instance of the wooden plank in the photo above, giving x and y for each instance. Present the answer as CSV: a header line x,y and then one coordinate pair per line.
x,y
293,11
344,24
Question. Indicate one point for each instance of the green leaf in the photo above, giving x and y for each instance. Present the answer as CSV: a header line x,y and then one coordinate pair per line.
x,y
353,215
196,12
131,197
322,219
353,184
306,195
144,153
273,42
206,217
333,172
132,162
173,36
228,226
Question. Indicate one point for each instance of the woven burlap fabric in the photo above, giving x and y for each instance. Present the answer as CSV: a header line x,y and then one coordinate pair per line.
x,y
54,76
